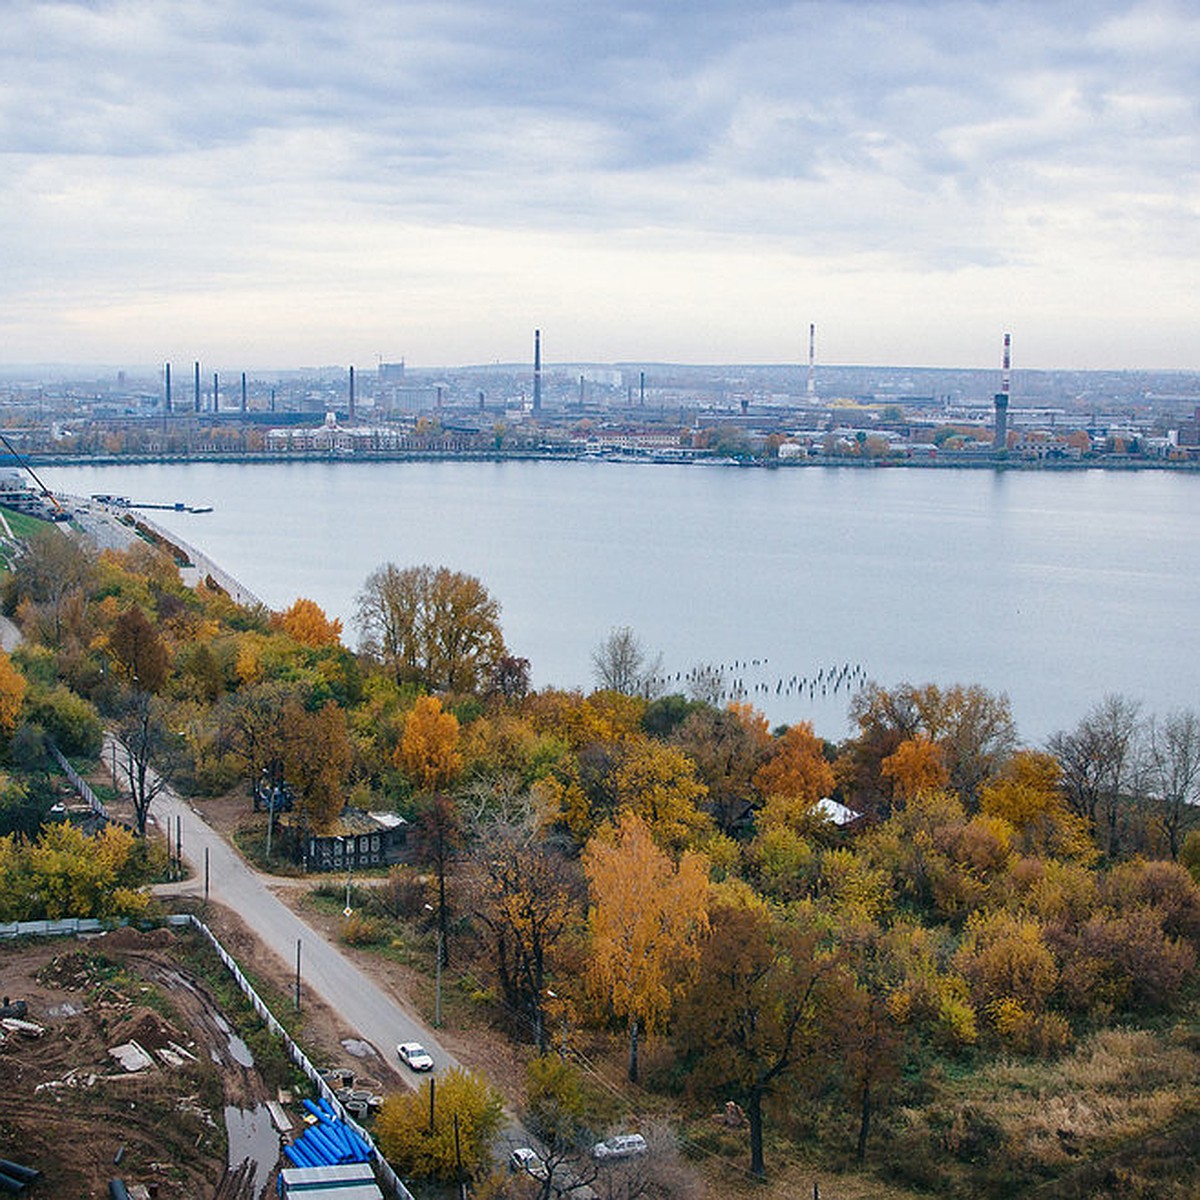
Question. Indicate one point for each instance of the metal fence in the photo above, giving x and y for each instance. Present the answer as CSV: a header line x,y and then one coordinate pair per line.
x,y
383,1168
77,781
67,927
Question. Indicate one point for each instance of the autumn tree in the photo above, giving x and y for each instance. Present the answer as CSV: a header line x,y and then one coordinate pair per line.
x,y
12,695
916,765
975,729
48,581
727,751
432,626
67,873
752,1018
426,1134
428,751
646,916
317,760
972,727
867,1036
529,896
305,622
1028,795
796,775
138,651
658,783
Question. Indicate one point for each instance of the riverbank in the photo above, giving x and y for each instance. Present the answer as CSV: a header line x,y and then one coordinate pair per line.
x,y
941,462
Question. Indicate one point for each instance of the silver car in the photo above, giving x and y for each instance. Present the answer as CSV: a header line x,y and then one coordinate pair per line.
x,y
624,1145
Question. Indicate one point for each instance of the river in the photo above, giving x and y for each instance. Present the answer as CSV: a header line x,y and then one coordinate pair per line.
x,y
1053,588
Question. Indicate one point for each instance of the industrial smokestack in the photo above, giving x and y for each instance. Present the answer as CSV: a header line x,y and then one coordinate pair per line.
x,y
537,370
351,395
244,406
216,393
197,397
810,387
1000,439
641,388
167,396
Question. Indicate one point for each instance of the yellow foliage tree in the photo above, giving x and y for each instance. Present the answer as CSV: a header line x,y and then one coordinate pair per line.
x,y
424,1133
428,752
659,784
646,917
12,694
66,873
305,622
1028,795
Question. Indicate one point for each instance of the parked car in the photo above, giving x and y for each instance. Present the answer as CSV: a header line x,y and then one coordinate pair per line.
x,y
525,1159
415,1056
623,1145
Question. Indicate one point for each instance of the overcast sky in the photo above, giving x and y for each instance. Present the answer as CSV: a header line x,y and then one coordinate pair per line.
x,y
261,183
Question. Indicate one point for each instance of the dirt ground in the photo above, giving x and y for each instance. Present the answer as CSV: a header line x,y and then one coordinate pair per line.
x,y
67,1106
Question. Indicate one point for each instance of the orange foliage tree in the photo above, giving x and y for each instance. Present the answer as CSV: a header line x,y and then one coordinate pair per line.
x,y
12,694
796,775
646,916
428,752
916,765
305,622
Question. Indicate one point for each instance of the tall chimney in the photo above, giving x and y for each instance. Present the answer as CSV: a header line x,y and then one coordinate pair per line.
x,y
351,395
537,370
197,367
168,390
641,388
216,393
244,406
810,387
1000,440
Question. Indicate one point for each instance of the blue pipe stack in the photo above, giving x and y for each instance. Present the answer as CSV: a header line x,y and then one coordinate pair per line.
x,y
327,1143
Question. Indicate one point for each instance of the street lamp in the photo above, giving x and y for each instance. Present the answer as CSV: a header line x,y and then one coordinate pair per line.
x,y
347,911
437,1011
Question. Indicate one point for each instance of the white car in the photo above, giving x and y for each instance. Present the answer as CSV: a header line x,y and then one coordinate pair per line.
x,y
527,1160
415,1056
624,1145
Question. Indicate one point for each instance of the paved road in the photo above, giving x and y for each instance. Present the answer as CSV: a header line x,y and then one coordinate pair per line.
x,y
374,1014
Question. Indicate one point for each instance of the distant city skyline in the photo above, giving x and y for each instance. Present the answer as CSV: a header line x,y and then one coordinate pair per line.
x,y
344,181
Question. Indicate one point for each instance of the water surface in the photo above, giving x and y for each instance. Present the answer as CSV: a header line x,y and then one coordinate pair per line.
x,y
1054,588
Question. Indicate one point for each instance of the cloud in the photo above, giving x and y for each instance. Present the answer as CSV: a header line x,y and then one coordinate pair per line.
x,y
206,146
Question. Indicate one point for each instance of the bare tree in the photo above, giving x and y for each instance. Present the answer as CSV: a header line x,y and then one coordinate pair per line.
x,y
151,752
1102,765
1173,748
622,664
